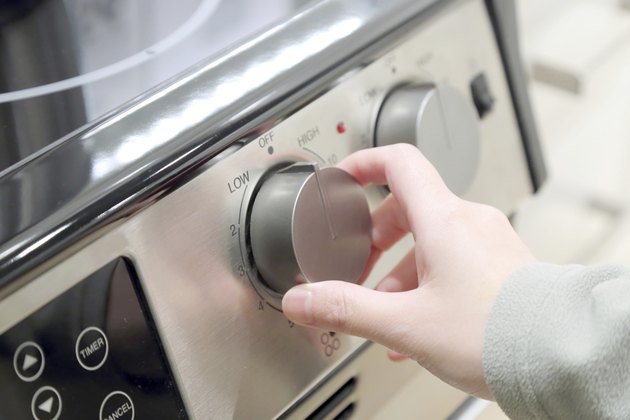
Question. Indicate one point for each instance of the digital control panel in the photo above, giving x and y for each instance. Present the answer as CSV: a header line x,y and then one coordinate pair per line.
x,y
91,353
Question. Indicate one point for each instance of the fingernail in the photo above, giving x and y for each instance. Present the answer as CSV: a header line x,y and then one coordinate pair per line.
x,y
384,287
297,305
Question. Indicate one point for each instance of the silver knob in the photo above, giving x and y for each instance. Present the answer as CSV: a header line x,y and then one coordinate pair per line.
x,y
441,122
308,225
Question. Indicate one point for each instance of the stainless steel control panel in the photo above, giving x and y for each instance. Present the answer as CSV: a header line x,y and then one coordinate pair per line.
x,y
232,352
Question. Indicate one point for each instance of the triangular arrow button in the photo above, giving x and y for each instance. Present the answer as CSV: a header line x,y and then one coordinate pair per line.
x,y
29,361
46,405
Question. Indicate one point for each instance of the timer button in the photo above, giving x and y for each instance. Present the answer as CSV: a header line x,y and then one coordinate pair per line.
x,y
92,348
309,224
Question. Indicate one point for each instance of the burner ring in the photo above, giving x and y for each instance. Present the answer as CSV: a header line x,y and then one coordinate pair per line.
x,y
201,14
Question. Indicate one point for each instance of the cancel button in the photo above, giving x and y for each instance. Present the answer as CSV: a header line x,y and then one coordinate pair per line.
x,y
117,406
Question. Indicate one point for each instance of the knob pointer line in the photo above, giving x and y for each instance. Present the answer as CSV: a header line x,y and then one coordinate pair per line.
x,y
325,202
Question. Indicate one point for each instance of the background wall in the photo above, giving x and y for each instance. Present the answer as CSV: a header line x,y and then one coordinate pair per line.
x,y
578,56
578,53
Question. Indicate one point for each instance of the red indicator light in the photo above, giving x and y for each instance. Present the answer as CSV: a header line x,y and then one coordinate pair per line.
x,y
341,128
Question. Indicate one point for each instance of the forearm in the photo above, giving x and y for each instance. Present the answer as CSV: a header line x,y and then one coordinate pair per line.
x,y
557,343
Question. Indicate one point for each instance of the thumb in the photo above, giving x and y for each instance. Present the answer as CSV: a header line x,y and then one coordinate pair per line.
x,y
348,308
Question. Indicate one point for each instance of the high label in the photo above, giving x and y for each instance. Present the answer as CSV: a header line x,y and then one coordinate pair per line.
x,y
308,136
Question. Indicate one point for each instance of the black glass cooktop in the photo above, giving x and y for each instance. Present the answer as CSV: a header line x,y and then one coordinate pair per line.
x,y
66,62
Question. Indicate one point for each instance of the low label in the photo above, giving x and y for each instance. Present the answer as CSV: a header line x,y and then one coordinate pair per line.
x,y
238,182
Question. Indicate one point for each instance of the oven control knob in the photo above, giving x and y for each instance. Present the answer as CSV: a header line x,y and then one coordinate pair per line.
x,y
441,122
309,224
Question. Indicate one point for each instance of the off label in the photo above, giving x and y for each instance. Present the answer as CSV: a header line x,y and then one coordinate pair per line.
x,y
266,140
238,182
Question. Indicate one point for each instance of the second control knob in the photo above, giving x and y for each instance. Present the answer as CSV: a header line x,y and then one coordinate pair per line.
x,y
309,224
441,122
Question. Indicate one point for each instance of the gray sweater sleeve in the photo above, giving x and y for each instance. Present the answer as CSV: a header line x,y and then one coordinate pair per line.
x,y
557,344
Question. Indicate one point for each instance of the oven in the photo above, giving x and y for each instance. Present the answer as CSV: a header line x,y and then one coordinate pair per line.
x,y
143,245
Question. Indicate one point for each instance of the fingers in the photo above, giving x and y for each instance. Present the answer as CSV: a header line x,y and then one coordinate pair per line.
x,y
394,356
411,178
403,277
391,220
375,255
389,224
418,199
351,309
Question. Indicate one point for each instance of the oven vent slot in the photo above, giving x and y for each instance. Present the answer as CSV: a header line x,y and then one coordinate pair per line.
x,y
336,400
346,413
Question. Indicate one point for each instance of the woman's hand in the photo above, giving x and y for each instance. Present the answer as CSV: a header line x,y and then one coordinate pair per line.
x,y
433,307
